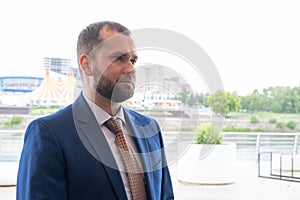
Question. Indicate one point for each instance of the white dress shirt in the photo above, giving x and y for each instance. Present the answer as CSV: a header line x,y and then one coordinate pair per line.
x,y
102,117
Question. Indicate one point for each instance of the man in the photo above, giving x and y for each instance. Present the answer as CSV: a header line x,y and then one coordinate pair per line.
x,y
73,154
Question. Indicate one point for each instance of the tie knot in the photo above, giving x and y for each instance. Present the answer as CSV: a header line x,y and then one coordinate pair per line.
x,y
113,125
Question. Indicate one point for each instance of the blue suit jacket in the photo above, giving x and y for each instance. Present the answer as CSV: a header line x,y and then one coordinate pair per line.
x,y
66,156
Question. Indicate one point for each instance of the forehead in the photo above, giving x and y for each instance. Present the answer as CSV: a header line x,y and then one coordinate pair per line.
x,y
115,42
106,32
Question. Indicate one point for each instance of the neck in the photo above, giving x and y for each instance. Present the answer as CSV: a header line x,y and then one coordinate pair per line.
x,y
106,104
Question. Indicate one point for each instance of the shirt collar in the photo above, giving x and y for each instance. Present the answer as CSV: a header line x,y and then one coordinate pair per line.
x,y
101,115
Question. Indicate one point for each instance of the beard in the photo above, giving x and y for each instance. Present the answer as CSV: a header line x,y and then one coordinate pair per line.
x,y
115,91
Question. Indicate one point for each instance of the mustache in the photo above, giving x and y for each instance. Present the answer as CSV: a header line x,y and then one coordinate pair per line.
x,y
128,77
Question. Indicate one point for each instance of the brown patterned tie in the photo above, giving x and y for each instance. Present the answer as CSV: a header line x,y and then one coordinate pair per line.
x,y
134,174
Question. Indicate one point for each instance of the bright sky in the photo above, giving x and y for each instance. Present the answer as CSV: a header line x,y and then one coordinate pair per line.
x,y
253,44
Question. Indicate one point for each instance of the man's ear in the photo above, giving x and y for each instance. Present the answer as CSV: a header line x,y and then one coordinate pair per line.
x,y
85,64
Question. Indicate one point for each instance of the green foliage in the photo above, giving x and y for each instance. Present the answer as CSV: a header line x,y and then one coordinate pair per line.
x,y
217,102
16,120
273,99
280,125
233,103
291,124
207,134
228,129
254,120
242,129
192,99
43,110
224,102
183,96
7,124
272,120
258,130
236,129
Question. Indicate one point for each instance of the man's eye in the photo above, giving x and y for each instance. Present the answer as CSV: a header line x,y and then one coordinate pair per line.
x,y
133,61
124,58
120,58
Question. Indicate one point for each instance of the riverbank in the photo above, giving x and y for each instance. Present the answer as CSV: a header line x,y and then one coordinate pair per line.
x,y
184,120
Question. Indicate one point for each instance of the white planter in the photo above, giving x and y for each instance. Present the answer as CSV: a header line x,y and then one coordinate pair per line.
x,y
9,172
208,164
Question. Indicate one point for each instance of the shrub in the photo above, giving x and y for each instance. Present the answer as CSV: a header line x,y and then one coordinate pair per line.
x,y
7,124
236,129
16,120
280,125
259,130
246,129
207,134
291,124
228,129
272,120
254,120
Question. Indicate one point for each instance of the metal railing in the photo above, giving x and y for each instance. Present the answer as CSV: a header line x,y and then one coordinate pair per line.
x,y
284,167
11,142
249,144
285,143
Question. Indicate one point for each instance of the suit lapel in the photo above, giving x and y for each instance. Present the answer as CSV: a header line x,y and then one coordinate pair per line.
x,y
95,142
141,134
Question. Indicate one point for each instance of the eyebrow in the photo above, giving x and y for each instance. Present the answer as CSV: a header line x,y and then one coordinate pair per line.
x,y
122,53
135,56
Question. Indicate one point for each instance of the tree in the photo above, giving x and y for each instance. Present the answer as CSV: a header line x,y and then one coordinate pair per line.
x,y
273,99
224,102
192,99
233,102
217,102
183,96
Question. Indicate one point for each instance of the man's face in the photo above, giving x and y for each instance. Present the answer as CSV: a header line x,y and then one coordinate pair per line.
x,y
114,74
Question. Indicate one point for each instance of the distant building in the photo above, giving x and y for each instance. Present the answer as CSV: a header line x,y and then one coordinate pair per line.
x,y
59,65
160,79
19,83
157,87
15,86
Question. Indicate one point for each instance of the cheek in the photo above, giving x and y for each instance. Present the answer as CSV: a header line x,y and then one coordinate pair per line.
x,y
101,64
110,75
134,76
113,72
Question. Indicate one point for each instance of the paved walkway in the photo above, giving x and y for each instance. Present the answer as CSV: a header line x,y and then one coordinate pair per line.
x,y
248,186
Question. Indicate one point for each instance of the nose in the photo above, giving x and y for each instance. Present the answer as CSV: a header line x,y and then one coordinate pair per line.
x,y
129,66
